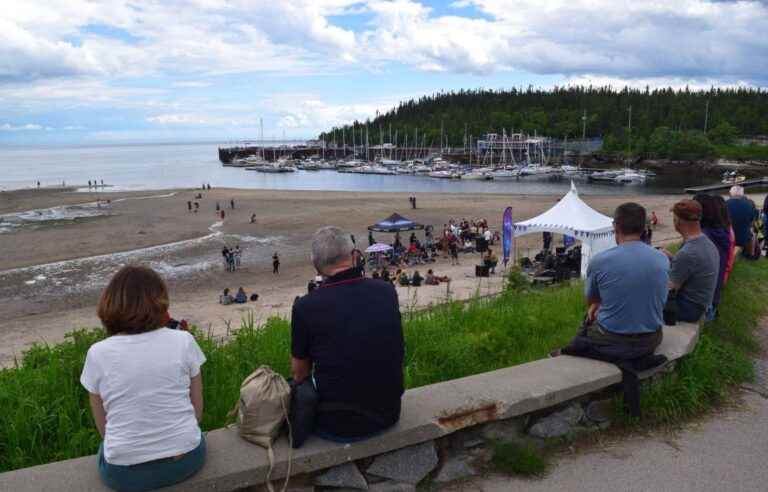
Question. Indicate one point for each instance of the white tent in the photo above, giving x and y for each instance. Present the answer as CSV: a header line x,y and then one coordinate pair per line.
x,y
573,217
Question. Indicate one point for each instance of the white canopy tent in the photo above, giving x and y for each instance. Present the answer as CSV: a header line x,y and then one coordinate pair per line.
x,y
572,217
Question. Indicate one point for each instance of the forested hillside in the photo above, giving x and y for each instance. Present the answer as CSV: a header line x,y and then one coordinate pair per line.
x,y
665,122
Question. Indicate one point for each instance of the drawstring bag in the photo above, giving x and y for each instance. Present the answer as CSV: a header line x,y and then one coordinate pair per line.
x,y
264,405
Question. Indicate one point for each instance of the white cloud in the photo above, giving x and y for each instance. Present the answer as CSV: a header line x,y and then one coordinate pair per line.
x,y
200,119
191,84
138,58
7,127
43,39
694,39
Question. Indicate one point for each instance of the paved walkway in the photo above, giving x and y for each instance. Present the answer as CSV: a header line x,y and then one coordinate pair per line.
x,y
727,451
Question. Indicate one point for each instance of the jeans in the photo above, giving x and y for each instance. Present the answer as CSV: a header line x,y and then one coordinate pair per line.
x,y
153,474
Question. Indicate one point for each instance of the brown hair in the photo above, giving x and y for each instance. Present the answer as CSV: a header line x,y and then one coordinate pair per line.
x,y
629,218
135,301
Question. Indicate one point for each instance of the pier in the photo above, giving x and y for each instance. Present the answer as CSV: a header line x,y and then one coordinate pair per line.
x,y
727,186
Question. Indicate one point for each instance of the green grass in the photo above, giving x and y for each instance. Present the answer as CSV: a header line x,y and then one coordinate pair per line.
x,y
44,413
519,459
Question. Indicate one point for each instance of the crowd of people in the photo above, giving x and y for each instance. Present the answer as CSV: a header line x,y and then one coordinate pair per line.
x,y
633,289
347,337
232,257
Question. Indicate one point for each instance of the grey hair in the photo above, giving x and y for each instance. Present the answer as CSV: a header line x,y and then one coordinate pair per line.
x,y
736,191
330,245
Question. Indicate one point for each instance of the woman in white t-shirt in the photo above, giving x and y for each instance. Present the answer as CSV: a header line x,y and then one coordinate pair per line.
x,y
145,387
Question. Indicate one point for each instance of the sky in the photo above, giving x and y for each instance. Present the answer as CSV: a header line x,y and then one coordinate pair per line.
x,y
111,71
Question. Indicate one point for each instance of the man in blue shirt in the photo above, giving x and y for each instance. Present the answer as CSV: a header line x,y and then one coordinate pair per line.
x,y
626,290
742,213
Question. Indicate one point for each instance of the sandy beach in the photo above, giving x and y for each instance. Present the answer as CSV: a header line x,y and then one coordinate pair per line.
x,y
54,265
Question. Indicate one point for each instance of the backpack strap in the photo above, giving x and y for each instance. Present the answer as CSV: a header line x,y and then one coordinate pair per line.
x,y
271,454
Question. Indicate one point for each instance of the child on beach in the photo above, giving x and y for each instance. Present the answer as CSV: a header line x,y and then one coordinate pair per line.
x,y
237,255
275,263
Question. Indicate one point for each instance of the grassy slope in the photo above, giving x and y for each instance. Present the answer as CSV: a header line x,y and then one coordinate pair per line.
x,y
44,412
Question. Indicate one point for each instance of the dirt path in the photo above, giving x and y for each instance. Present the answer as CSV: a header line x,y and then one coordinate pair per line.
x,y
728,451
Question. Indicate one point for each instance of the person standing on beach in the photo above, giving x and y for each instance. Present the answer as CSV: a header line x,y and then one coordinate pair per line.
x,y
89,184
38,185
232,204
238,252
197,206
253,218
222,214
231,261
189,206
275,263
218,207
225,254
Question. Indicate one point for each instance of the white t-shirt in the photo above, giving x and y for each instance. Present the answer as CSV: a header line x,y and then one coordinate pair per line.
x,y
487,235
144,382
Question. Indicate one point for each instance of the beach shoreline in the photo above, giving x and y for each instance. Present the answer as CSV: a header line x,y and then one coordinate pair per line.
x,y
53,273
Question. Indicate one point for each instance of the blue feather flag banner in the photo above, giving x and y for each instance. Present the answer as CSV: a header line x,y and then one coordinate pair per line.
x,y
507,231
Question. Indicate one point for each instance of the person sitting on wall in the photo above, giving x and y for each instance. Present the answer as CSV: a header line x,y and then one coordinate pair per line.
x,y
348,336
742,213
696,266
145,387
626,289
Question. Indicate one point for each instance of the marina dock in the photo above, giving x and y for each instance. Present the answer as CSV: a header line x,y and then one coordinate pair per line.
x,y
727,186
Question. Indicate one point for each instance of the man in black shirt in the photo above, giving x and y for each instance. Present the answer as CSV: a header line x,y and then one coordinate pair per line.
x,y
347,335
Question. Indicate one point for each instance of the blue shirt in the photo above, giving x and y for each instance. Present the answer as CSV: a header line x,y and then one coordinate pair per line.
x,y
631,281
742,213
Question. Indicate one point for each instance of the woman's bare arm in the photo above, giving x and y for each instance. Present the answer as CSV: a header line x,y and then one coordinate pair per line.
x,y
196,395
99,415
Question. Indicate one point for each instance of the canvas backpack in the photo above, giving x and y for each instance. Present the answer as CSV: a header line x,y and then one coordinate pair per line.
x,y
264,405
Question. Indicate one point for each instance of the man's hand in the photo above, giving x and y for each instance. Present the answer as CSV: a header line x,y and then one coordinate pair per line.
x,y
300,369
592,312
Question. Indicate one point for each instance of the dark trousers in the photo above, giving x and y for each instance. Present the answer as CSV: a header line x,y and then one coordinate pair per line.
x,y
688,311
631,353
594,341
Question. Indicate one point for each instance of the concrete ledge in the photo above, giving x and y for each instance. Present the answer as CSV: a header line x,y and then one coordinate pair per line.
x,y
428,413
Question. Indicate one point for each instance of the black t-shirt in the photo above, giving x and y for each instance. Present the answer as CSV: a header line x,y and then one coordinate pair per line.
x,y
350,329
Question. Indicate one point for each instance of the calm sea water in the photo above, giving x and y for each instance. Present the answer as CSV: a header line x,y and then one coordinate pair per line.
x,y
156,166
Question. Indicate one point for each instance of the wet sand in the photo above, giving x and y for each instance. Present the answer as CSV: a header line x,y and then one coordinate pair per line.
x,y
52,271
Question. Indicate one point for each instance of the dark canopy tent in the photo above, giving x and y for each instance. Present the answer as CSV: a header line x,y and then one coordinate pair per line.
x,y
395,223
